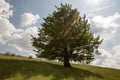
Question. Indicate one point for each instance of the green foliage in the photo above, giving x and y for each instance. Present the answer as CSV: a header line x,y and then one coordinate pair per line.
x,y
67,35
19,68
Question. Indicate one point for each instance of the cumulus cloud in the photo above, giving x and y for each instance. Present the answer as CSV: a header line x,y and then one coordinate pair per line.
x,y
1,39
6,28
108,29
22,41
28,19
108,58
5,9
10,35
105,26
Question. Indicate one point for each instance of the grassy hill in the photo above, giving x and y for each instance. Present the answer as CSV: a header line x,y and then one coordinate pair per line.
x,y
21,68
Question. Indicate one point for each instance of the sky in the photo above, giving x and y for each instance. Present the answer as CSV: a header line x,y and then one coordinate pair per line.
x,y
19,19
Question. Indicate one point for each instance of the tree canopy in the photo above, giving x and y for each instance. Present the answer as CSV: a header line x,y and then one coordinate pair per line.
x,y
65,35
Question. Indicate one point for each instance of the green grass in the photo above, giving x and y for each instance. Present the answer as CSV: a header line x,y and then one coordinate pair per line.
x,y
21,68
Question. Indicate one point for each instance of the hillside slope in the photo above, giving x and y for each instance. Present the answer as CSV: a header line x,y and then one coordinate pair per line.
x,y
21,68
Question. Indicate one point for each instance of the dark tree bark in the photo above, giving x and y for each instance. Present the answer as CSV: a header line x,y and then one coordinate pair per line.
x,y
66,59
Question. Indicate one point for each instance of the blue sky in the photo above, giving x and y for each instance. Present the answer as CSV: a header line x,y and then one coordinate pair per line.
x,y
21,18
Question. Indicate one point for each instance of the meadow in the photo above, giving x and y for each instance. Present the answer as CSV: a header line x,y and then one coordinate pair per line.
x,y
24,68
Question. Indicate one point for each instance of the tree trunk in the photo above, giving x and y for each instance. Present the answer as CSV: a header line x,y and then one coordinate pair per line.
x,y
66,60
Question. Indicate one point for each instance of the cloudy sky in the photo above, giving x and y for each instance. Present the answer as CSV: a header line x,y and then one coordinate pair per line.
x,y
21,18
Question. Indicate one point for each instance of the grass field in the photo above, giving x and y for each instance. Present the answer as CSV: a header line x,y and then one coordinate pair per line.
x,y
21,68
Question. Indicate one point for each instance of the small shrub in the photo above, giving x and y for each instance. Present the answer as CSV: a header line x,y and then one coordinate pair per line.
x,y
12,54
7,53
19,55
30,57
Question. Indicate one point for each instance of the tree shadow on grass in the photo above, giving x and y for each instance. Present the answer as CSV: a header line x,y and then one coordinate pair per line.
x,y
34,68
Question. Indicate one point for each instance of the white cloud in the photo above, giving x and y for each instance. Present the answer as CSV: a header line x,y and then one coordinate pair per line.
x,y
106,26
9,35
28,19
5,9
22,41
6,28
1,39
108,29
116,52
108,58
